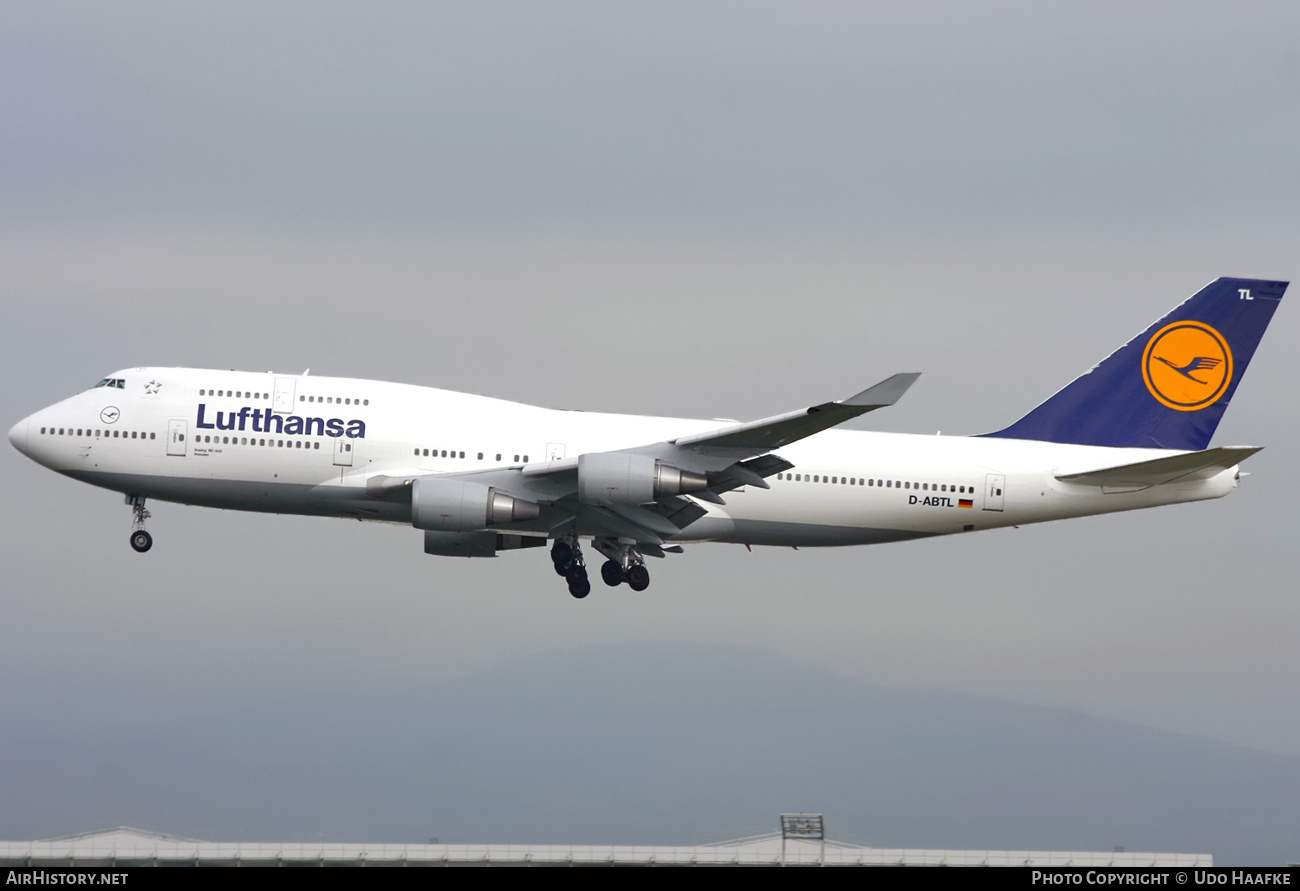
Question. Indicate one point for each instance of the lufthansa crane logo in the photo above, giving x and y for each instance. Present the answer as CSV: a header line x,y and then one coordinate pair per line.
x,y
1187,366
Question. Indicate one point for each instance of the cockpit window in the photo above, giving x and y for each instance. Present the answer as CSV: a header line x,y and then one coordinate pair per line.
x,y
118,382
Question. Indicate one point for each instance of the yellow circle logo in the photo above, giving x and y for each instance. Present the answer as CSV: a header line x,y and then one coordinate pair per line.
x,y
1187,366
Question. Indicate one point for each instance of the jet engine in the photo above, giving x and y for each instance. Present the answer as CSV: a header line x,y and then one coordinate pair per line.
x,y
476,544
619,478
454,505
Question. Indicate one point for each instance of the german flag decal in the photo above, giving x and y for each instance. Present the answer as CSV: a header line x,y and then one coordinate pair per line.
x,y
965,502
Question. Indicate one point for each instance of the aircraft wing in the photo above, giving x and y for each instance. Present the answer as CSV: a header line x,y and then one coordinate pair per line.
x,y
1157,472
728,458
758,437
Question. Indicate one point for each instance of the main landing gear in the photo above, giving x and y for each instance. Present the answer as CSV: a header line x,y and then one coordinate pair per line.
x,y
141,540
624,564
636,575
567,557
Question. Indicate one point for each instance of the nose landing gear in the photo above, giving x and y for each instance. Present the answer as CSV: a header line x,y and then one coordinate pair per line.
x,y
141,540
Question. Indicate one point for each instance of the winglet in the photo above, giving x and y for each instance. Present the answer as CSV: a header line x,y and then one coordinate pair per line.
x,y
758,437
887,392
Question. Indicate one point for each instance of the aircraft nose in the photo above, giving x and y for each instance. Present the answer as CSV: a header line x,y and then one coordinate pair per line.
x,y
18,436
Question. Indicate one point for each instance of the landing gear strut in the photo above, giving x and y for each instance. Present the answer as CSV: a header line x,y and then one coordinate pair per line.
x,y
567,558
141,540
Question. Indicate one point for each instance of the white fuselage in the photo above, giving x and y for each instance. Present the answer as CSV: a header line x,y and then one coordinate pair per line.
x,y
209,438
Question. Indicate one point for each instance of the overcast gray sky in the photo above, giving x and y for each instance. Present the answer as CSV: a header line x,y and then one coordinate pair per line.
x,y
693,209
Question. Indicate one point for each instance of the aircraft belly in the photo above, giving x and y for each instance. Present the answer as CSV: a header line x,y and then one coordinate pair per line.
x,y
783,533
266,497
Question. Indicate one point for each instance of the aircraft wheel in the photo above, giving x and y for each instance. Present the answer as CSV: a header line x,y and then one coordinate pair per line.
x,y
141,540
612,572
563,558
579,588
638,577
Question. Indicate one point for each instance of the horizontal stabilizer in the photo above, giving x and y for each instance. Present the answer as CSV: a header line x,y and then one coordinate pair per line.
x,y
1177,468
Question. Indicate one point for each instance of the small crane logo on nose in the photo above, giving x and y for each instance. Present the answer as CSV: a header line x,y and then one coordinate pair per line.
x,y
110,414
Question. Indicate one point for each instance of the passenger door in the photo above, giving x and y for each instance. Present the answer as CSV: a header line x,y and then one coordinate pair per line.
x,y
342,452
177,431
993,485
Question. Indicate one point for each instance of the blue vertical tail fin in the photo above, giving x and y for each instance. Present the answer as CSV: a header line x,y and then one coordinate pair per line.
x,y
1168,387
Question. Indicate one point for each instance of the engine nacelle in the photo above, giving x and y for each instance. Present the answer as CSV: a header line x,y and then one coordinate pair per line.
x,y
454,505
619,478
476,544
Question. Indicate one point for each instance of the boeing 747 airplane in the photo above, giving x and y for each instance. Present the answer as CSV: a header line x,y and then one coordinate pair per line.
x,y
479,476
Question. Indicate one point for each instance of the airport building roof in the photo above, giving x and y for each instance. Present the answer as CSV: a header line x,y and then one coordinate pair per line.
x,y
125,846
